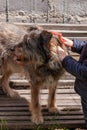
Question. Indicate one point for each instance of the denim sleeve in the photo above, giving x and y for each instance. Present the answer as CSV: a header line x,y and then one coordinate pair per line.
x,y
75,68
78,45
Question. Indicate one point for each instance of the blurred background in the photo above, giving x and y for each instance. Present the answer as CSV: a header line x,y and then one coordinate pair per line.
x,y
44,11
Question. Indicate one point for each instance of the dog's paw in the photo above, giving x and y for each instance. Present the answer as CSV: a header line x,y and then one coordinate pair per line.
x,y
53,110
37,119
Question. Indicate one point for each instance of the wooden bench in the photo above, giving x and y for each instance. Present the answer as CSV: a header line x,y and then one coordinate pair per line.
x,y
15,114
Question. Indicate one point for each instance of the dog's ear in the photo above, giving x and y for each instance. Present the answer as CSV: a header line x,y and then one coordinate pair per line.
x,y
34,28
25,38
44,45
46,36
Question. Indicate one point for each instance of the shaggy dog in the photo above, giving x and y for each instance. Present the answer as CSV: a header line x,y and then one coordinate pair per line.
x,y
10,35
36,52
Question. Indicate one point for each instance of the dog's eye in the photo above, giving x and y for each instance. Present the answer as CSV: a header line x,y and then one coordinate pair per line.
x,y
12,49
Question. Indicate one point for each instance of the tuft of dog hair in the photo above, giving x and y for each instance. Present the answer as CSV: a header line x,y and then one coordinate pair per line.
x,y
34,51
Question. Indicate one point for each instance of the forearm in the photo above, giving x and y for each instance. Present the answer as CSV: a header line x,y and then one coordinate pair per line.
x,y
78,45
75,68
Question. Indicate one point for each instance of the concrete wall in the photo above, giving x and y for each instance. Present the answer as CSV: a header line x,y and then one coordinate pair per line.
x,y
54,11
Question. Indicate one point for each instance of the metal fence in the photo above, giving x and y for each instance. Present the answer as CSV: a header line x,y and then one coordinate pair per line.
x,y
43,11
24,10
40,11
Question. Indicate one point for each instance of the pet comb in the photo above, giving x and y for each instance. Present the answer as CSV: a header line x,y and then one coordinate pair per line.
x,y
59,35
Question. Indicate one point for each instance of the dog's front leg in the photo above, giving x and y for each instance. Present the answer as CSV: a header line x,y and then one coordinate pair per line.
x,y
35,106
6,88
51,100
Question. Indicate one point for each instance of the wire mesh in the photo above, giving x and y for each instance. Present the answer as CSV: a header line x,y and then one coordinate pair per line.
x,y
24,10
43,11
34,11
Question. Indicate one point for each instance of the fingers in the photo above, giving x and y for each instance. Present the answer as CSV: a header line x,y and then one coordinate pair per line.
x,y
60,49
67,41
61,53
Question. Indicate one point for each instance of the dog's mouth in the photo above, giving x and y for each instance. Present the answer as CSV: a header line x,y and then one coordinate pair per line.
x,y
20,59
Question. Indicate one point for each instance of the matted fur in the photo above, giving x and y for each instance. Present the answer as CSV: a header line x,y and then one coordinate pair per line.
x,y
36,53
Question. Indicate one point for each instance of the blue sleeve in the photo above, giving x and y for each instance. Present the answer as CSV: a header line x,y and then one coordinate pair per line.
x,y
78,45
75,68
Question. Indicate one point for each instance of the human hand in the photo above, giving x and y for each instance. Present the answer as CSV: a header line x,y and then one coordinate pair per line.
x,y
66,41
61,53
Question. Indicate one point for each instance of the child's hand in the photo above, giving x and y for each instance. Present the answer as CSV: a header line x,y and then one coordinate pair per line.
x,y
66,41
61,53
62,39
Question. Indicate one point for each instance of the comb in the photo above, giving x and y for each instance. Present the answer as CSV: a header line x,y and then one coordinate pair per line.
x,y
59,35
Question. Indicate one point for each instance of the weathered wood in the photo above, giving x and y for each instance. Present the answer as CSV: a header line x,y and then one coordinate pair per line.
x,y
56,26
15,113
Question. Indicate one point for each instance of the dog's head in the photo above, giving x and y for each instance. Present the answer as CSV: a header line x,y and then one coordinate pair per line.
x,y
34,46
38,45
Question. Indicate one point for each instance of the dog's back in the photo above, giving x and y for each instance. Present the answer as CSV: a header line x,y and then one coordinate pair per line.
x,y
10,34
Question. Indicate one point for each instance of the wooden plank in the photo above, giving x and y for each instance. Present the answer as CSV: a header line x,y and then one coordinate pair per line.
x,y
47,124
65,29
44,97
56,26
26,83
70,33
79,38
50,118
